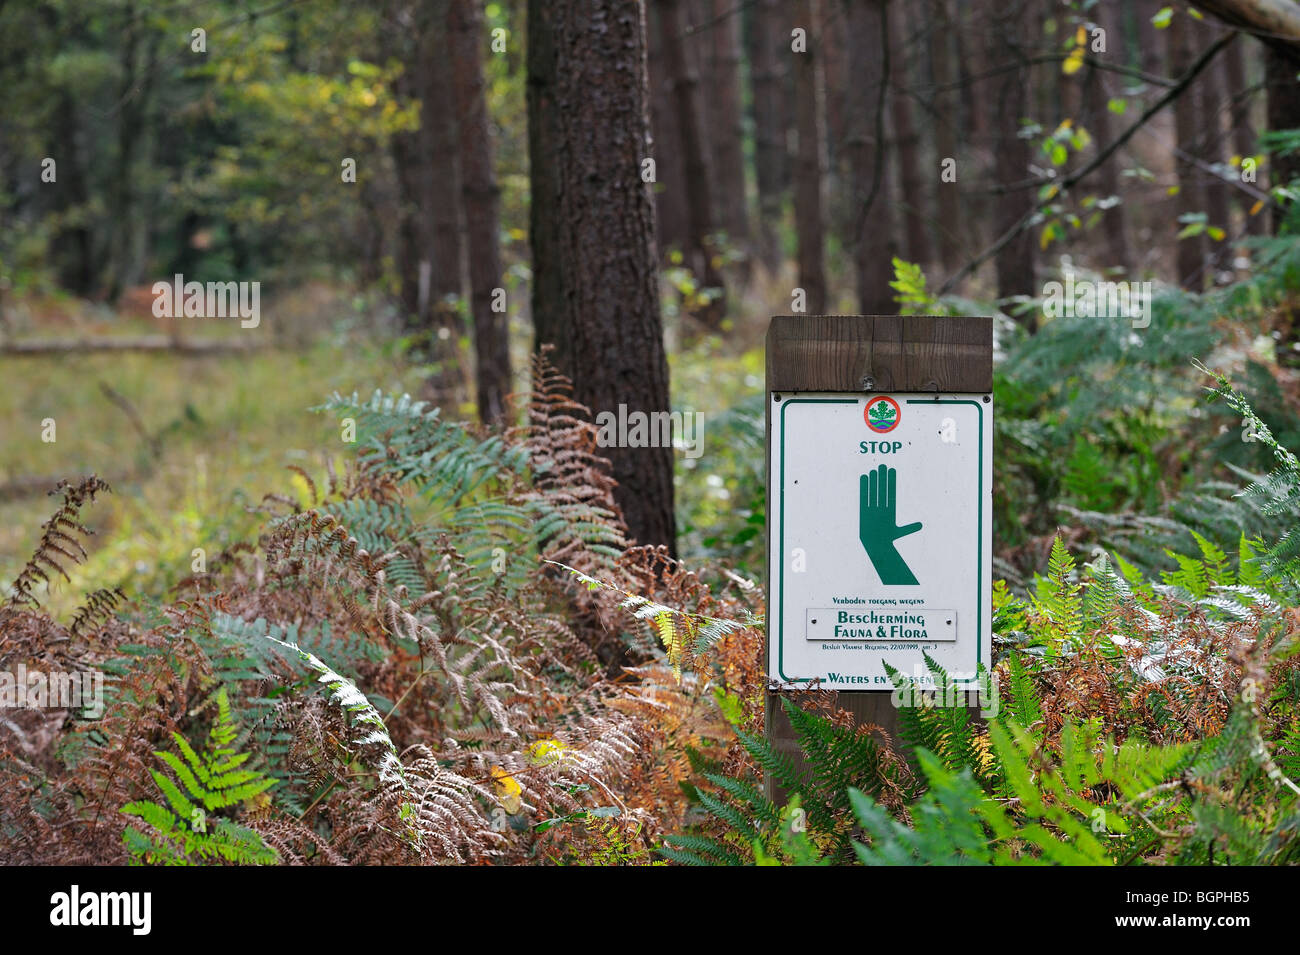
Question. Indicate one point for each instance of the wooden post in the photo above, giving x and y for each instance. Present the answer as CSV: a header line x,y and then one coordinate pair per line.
x,y
918,356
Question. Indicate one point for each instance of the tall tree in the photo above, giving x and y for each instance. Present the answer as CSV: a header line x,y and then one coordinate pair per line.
x,y
1008,34
1280,68
1096,120
948,119
870,211
595,284
1243,131
482,202
429,194
767,72
912,175
670,179
808,217
688,103
1190,258
1149,45
440,184
1212,105
725,120
138,74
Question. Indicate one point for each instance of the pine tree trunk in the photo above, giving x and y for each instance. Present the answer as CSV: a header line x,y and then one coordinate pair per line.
x,y
767,70
670,184
912,176
1243,131
595,284
1280,68
1097,120
872,237
482,202
948,119
1010,35
429,196
688,104
442,204
1190,258
809,220
412,226
725,124
1149,37
1212,104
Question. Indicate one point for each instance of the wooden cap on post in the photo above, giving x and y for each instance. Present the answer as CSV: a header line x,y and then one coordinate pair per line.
x,y
913,353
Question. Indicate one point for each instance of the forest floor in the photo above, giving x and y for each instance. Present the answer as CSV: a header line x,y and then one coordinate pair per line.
x,y
190,443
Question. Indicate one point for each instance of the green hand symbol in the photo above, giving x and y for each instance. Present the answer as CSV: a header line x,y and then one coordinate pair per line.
x,y
878,526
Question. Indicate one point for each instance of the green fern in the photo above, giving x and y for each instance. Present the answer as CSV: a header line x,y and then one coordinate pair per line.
x,y
956,822
757,831
1058,594
183,832
937,718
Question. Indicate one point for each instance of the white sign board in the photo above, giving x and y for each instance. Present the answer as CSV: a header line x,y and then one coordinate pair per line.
x,y
880,537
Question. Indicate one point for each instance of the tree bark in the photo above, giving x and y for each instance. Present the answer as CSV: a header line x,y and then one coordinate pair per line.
x,y
1244,142
948,119
1190,257
595,283
429,195
1280,68
767,75
912,176
872,237
688,104
1149,38
1098,122
482,203
809,220
1212,103
1277,19
670,184
1012,154
726,126
441,190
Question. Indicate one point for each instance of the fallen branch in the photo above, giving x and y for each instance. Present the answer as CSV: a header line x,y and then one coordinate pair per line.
x,y
147,343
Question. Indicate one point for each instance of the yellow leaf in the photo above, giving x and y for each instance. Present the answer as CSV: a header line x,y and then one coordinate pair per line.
x,y
1074,62
1254,210
668,634
544,752
1081,35
508,791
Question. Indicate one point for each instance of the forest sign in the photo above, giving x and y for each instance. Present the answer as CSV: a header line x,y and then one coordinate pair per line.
x,y
879,536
